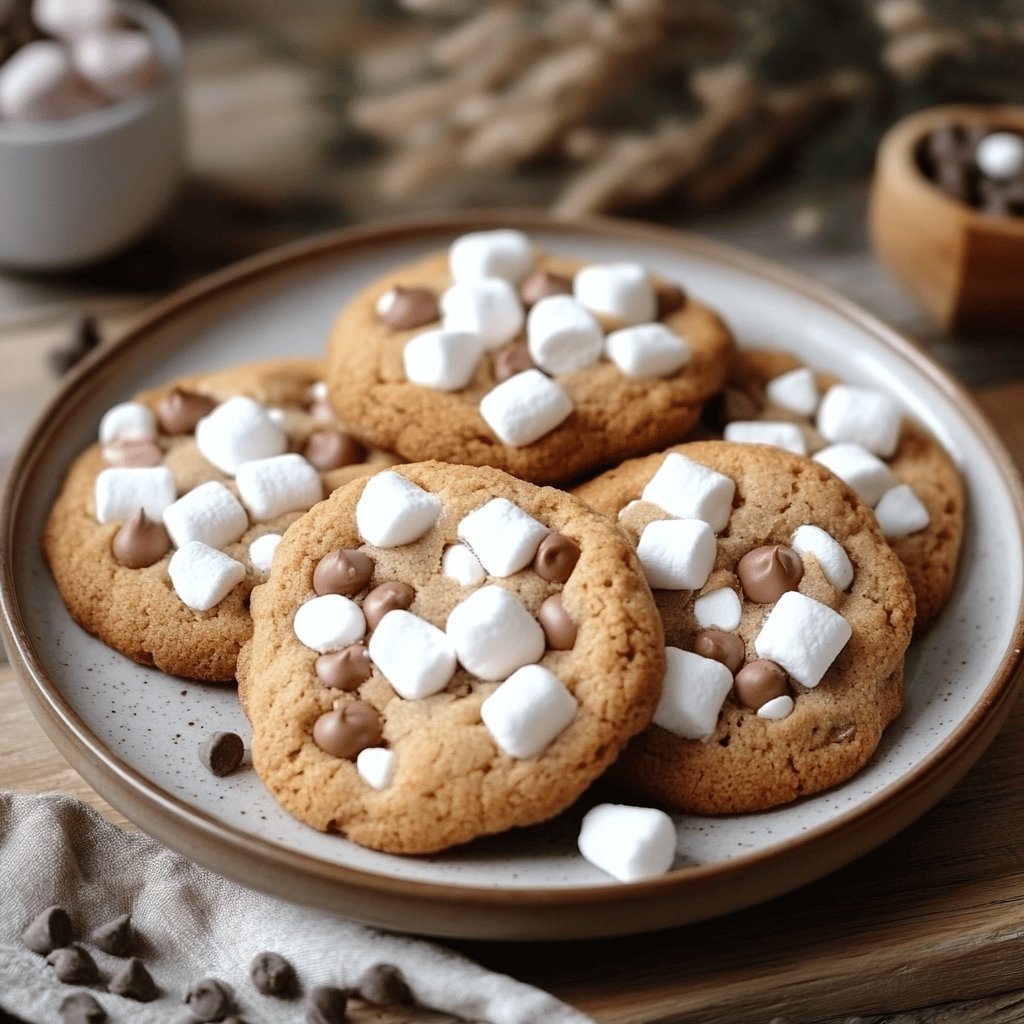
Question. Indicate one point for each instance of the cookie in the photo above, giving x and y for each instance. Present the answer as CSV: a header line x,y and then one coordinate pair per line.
x,y
493,353
443,652
787,618
919,502
160,531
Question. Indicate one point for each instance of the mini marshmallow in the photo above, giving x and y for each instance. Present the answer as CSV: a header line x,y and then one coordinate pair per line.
x,y
393,511
261,552
718,609
528,711
238,431
692,694
282,483
443,360
689,490
203,576
38,83
210,513
796,391
1000,156
489,308
787,436
118,63
647,350
460,564
777,708
620,290
502,253
900,511
802,635
524,408
128,421
67,19
493,634
121,492
562,336
415,657
628,843
376,767
860,416
830,554
502,536
677,554
328,623
865,474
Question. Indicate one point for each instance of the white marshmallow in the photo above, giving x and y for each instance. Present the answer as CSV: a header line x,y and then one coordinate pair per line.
x,y
442,359
795,390
129,421
460,564
803,636
67,19
689,490
620,290
1000,156
861,416
376,766
718,609
282,483
865,474
38,83
328,623
489,308
393,511
830,554
501,253
415,657
493,634
261,552
628,843
692,694
647,350
787,436
524,408
121,492
119,63
900,511
777,708
502,536
203,576
237,431
562,335
528,711
677,554
210,513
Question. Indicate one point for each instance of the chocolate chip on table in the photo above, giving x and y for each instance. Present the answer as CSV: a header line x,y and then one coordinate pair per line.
x,y
74,965
272,974
384,985
221,752
133,981
114,937
327,1005
83,337
209,999
81,1008
50,930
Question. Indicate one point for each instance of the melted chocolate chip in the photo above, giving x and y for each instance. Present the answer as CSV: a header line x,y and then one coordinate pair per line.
x,y
759,682
209,999
383,985
511,359
114,937
556,557
347,730
721,646
140,542
222,752
73,965
273,975
386,598
768,572
50,930
346,669
332,449
327,1005
81,1008
342,572
410,307
559,628
541,284
180,411
133,981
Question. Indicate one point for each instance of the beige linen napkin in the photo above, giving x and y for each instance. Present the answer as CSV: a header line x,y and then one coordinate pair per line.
x,y
190,923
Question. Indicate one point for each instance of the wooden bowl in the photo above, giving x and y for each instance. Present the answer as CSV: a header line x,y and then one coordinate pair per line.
x,y
963,266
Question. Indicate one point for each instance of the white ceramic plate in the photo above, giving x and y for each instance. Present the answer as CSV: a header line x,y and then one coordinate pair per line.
x,y
133,732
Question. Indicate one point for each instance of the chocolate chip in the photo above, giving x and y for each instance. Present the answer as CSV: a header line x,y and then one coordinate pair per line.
x,y
347,730
346,669
327,1005
671,298
559,628
114,937
81,1008
721,646
140,542
556,557
73,965
180,410
511,359
388,597
209,999
133,981
759,682
332,449
541,284
83,337
409,307
384,985
221,752
272,974
768,572
343,571
50,930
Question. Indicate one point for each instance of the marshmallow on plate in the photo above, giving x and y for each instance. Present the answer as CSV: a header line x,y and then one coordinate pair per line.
x,y
677,554
261,552
118,63
900,511
718,609
488,307
444,360
493,634
127,421
502,253
787,436
502,536
802,635
524,408
237,431
562,336
393,511
620,290
647,350
628,843
831,555
865,474
413,655
210,513
528,711
860,416
121,492
796,390
690,490
282,483
692,694
376,766
329,623
203,576
460,564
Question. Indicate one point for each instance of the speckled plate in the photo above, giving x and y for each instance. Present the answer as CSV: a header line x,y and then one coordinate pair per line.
x,y
132,732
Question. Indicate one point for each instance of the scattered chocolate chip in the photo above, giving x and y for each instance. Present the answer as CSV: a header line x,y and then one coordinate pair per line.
x,y
559,628
671,298
556,557
768,572
347,730
386,598
327,1005
332,449
180,410
81,1008
133,981
721,646
73,965
541,284
209,999
511,359
405,308
50,930
83,337
384,985
342,572
130,453
221,752
346,669
114,937
140,542
273,975
759,682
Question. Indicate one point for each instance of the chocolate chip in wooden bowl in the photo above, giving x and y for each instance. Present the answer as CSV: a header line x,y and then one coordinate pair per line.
x,y
327,1005
49,930
114,937
384,985
209,999
273,975
74,965
133,981
221,752
81,1008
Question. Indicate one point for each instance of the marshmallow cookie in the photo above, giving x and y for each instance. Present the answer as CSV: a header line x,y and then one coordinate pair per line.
x,y
493,353
861,434
443,652
163,527
786,614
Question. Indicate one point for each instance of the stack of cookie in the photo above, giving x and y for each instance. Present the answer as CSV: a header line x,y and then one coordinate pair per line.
x,y
479,558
